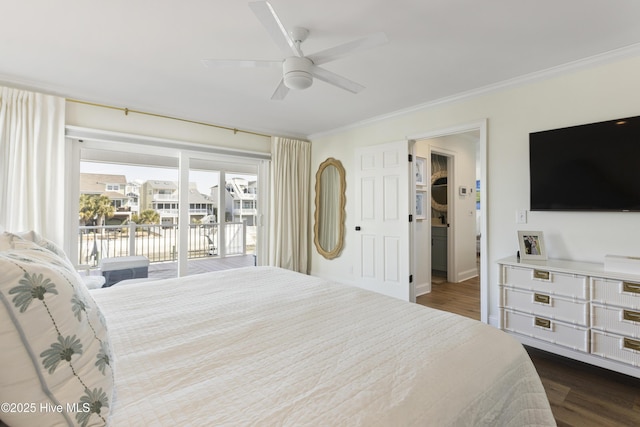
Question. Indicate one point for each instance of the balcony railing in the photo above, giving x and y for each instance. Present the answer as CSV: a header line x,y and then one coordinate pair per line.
x,y
157,242
176,212
165,197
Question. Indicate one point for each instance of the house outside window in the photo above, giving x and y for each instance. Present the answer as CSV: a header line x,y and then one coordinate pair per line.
x,y
111,186
142,189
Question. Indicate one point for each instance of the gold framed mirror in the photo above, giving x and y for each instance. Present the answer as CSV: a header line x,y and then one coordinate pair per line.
x,y
439,191
329,216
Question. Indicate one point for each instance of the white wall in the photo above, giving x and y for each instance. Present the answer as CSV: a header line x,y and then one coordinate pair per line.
x,y
95,117
599,93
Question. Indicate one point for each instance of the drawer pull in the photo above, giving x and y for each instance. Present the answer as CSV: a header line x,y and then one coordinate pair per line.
x,y
543,299
631,287
632,344
545,323
544,275
633,316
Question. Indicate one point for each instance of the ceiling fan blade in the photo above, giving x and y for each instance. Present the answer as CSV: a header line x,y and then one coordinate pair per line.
x,y
240,63
280,92
269,19
345,49
335,79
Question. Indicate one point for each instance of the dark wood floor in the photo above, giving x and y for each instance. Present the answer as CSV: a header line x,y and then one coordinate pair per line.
x,y
585,395
579,394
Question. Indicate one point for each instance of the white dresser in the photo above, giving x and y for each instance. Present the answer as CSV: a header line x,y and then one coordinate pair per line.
x,y
575,309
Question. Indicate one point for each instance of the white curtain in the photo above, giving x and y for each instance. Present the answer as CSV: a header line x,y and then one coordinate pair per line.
x,y
289,207
32,163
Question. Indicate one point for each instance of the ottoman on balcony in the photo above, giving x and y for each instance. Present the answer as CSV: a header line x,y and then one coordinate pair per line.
x,y
122,268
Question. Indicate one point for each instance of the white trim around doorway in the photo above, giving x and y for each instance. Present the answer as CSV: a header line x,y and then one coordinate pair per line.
x,y
481,127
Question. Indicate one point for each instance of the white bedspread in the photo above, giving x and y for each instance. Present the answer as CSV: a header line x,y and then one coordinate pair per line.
x,y
267,347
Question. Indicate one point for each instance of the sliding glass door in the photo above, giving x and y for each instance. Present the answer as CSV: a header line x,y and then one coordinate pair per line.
x,y
186,211
128,206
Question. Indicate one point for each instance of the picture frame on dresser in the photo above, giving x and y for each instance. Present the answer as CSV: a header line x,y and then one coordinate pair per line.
x,y
532,245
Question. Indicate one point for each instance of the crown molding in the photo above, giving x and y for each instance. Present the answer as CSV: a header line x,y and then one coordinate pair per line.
x,y
584,63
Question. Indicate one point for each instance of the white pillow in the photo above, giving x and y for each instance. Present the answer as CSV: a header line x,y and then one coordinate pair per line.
x,y
35,237
55,348
6,241
93,282
13,240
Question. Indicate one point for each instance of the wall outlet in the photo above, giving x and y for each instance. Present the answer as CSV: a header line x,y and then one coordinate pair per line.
x,y
521,216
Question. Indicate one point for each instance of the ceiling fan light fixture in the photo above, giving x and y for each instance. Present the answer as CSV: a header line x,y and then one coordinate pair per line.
x,y
297,73
298,80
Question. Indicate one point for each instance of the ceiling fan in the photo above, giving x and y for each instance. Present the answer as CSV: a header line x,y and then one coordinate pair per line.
x,y
299,70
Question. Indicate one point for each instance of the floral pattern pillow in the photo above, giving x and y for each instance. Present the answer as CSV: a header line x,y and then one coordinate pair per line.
x,y
34,236
55,365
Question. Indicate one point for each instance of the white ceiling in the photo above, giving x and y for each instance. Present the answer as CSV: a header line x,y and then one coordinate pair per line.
x,y
145,54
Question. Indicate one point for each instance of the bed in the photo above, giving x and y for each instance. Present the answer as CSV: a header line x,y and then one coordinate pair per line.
x,y
258,346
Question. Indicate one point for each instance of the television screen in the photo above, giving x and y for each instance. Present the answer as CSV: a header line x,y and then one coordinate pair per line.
x,y
593,167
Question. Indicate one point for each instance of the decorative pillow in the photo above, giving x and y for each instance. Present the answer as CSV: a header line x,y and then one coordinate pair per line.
x,y
6,241
14,240
55,363
35,237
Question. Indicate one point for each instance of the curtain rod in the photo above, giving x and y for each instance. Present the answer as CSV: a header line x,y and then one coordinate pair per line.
x,y
127,111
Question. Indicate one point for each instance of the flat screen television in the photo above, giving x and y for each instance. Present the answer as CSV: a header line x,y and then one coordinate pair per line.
x,y
591,167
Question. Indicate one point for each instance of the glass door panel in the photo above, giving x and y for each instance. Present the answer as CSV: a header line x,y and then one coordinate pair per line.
x,y
131,204
128,207
204,235
243,216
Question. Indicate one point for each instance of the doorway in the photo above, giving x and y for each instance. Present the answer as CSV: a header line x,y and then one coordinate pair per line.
x,y
177,186
441,164
465,223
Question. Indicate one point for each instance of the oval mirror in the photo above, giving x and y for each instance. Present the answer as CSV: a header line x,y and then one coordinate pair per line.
x,y
330,201
439,191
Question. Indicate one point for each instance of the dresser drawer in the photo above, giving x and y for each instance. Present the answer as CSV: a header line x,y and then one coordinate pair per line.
x,y
548,282
615,347
555,332
545,305
615,319
616,292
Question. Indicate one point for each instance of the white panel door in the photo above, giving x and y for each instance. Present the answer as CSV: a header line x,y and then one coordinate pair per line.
x,y
382,219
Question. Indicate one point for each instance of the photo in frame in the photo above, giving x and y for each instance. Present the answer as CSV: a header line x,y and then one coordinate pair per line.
x,y
532,245
421,204
420,170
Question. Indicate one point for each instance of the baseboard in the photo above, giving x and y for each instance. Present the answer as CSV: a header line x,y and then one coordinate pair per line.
x,y
494,321
423,288
466,275
338,279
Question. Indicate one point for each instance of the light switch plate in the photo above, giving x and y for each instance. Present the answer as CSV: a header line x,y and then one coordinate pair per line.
x,y
521,216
